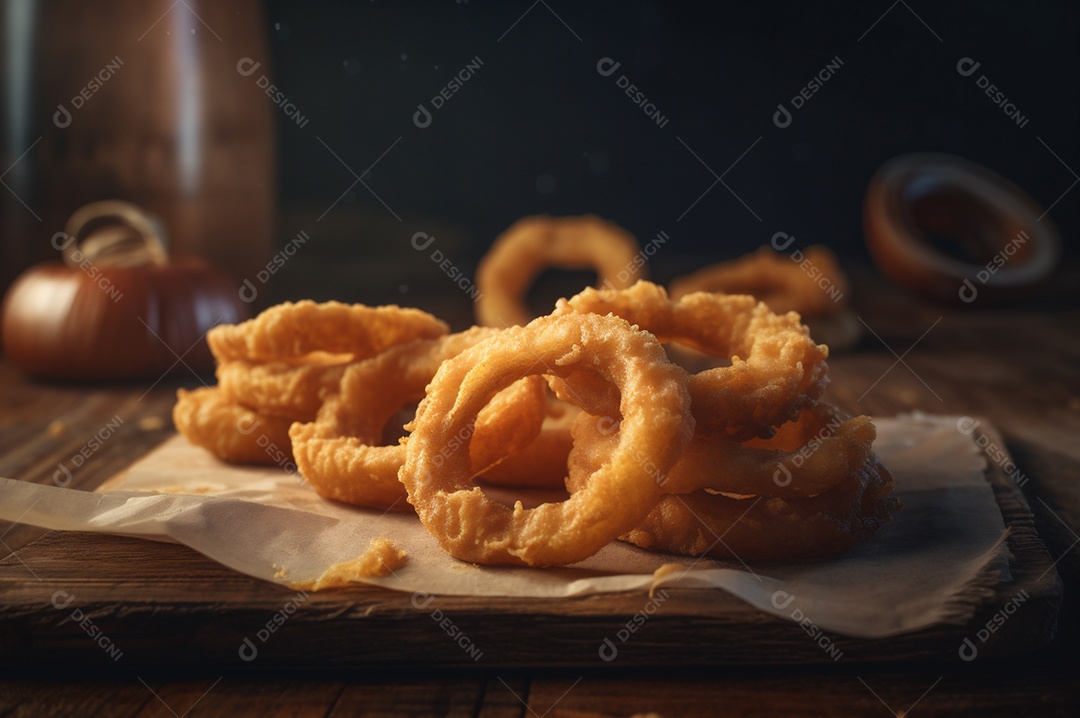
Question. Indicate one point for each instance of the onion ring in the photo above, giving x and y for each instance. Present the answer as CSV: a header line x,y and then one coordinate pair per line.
x,y
283,389
776,279
520,253
826,447
291,331
771,529
814,286
776,368
340,454
230,432
656,426
915,199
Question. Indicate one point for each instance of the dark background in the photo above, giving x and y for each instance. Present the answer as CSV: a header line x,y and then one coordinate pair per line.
x,y
538,130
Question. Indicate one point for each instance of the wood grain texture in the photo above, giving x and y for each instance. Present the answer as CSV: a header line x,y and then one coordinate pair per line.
x,y
995,689
45,427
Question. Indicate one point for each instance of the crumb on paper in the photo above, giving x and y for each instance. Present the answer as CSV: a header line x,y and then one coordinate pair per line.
x,y
281,571
57,429
193,490
379,560
151,423
663,572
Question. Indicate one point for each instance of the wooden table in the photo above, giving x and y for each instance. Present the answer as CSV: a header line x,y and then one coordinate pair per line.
x,y
1016,367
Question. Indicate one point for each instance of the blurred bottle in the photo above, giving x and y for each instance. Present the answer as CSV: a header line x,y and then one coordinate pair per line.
x,y
18,225
141,100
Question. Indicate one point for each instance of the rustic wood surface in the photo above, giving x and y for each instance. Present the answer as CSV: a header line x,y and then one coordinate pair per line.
x,y
167,608
1016,367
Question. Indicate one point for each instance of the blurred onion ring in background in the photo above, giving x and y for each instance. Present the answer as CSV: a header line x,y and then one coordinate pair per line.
x,y
915,200
534,244
808,281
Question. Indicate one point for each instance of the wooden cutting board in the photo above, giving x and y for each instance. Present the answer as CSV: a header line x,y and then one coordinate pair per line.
x,y
166,607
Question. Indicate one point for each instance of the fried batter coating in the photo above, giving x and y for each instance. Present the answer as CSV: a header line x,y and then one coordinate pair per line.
x,y
230,432
340,453
290,331
776,368
772,529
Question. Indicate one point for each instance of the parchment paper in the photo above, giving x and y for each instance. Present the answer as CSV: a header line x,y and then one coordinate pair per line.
x,y
930,565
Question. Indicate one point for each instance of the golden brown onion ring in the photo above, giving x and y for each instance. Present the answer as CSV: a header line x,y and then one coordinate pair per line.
x,y
771,529
230,432
831,447
776,368
291,331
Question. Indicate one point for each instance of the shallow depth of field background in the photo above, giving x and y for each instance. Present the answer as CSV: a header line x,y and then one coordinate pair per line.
x,y
538,129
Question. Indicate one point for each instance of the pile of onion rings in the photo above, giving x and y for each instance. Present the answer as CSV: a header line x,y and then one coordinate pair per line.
x,y
279,368
772,472
741,460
